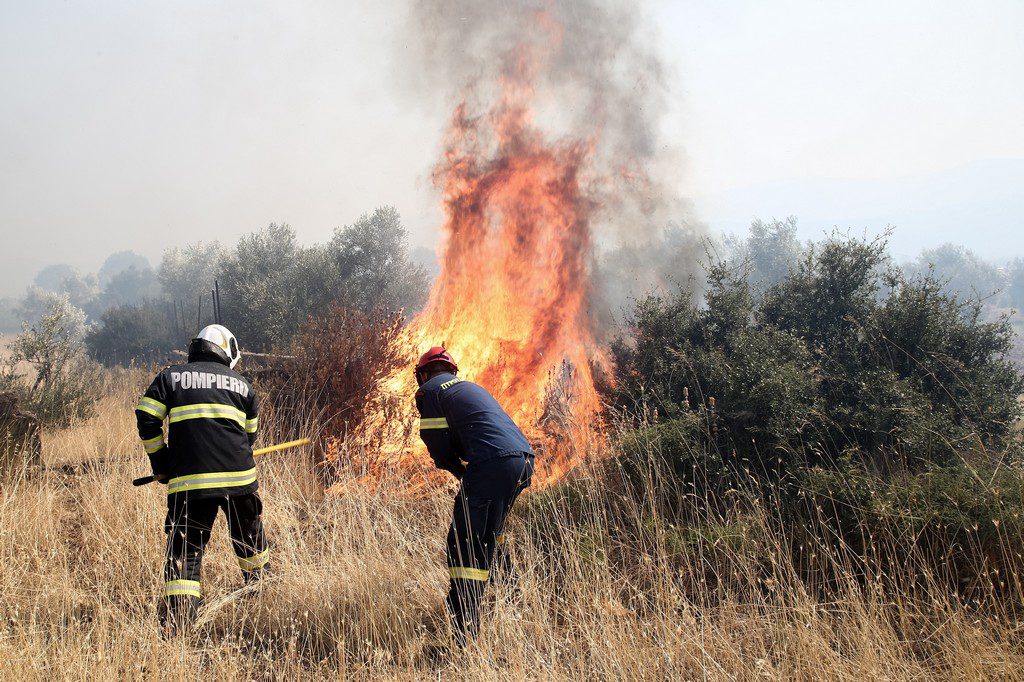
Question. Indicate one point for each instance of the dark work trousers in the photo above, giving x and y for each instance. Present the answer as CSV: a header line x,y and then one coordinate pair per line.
x,y
488,491
188,526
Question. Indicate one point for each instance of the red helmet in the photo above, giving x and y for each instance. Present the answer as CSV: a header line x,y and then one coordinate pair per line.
x,y
436,354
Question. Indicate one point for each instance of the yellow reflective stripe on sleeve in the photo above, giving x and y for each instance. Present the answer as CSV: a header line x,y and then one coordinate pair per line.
x,y
218,479
153,444
187,588
463,573
252,424
433,423
153,407
206,411
254,562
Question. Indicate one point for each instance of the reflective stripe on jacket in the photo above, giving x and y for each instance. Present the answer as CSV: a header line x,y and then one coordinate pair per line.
x,y
460,420
212,420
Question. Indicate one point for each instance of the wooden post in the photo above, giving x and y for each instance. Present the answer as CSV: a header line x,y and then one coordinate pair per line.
x,y
220,312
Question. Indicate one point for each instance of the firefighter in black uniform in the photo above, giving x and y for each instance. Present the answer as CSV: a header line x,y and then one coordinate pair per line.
x,y
461,422
208,465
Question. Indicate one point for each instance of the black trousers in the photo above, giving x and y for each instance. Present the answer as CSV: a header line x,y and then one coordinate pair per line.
x,y
188,527
475,538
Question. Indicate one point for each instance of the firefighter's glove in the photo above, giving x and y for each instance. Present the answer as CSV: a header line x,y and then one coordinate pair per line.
x,y
159,461
458,470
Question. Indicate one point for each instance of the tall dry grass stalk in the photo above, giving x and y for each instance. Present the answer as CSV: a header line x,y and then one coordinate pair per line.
x,y
607,588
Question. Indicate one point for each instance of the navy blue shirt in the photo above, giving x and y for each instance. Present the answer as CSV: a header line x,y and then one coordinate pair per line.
x,y
460,420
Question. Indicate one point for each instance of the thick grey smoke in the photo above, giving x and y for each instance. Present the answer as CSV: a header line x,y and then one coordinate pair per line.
x,y
599,79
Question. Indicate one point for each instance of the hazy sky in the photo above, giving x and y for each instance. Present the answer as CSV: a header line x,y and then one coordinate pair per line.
x,y
141,125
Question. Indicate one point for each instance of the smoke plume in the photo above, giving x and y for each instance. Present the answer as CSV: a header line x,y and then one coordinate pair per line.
x,y
597,79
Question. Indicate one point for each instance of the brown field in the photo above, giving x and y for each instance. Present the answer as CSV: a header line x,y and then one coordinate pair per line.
x,y
358,585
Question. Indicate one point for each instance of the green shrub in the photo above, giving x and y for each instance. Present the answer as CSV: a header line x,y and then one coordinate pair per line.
x,y
134,333
853,409
674,454
63,385
270,284
844,354
967,524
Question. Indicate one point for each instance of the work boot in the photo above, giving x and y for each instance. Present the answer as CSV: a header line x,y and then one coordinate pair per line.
x,y
177,614
464,620
254,577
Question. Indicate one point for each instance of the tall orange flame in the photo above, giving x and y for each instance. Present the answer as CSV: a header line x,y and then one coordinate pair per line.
x,y
512,298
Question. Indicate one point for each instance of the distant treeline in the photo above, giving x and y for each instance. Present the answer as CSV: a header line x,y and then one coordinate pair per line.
x,y
771,251
269,284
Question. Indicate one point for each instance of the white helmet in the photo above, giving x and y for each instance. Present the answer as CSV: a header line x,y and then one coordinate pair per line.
x,y
217,339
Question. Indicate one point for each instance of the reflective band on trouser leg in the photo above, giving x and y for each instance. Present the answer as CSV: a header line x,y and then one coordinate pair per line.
x,y
433,423
153,444
153,407
255,562
463,573
224,479
206,411
185,588
252,424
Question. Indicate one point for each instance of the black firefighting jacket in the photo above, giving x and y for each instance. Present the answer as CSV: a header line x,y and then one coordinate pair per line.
x,y
212,422
460,420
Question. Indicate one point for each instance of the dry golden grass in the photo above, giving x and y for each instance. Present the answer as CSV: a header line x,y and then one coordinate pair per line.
x,y
359,581
5,351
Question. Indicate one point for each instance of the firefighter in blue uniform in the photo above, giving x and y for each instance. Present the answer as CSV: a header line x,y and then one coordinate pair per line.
x,y
208,466
469,435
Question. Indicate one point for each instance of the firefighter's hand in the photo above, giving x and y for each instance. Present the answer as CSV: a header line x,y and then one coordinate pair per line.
x,y
159,463
458,471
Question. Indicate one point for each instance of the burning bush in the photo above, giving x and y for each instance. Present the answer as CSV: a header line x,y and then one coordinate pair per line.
x,y
331,381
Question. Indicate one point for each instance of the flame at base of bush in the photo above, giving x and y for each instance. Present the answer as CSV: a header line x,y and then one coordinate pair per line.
x,y
386,446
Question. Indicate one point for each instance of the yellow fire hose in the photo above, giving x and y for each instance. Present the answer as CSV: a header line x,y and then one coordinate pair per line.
x,y
256,453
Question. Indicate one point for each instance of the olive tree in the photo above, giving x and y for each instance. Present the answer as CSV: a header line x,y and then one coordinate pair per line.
x,y
61,386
